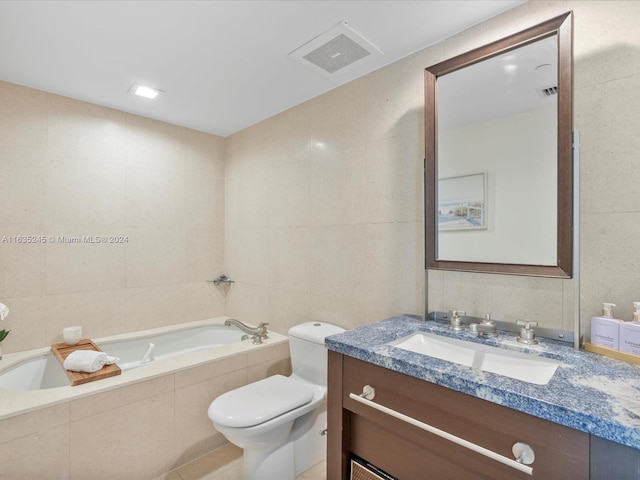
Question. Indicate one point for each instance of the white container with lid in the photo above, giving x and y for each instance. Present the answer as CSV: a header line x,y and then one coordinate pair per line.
x,y
605,330
630,333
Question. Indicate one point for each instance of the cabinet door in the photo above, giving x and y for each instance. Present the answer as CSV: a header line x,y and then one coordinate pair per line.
x,y
613,461
408,452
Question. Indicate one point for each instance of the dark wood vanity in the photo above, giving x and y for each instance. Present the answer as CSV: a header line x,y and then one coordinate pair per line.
x,y
408,452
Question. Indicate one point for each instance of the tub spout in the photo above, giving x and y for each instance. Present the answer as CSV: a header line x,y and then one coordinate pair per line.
x,y
258,333
148,355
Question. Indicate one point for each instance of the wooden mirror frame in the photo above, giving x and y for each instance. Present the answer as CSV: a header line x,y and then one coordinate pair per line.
x,y
562,26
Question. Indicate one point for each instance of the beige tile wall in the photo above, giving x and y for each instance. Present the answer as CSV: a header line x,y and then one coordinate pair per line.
x,y
70,168
323,208
135,432
317,215
324,201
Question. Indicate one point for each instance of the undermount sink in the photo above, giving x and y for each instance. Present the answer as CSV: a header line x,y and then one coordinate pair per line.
x,y
521,366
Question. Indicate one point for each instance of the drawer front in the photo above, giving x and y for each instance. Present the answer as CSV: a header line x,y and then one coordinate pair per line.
x,y
560,452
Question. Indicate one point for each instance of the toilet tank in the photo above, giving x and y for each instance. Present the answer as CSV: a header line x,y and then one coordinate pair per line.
x,y
308,351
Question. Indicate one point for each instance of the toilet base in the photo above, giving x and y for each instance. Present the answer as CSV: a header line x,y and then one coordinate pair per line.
x,y
309,440
267,464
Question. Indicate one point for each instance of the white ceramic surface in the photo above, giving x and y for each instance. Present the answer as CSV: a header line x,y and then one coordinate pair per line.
x,y
521,366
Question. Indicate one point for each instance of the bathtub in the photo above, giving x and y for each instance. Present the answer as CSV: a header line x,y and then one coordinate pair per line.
x,y
34,379
131,351
38,373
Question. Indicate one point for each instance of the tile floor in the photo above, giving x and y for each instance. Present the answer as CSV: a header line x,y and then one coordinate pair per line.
x,y
224,464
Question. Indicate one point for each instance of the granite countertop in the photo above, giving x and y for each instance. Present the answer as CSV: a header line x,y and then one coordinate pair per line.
x,y
588,392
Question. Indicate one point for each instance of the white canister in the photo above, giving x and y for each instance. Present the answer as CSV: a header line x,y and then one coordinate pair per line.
x,y
72,335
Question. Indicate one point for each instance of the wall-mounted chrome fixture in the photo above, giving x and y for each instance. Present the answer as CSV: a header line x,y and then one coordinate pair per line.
x,y
222,279
4,313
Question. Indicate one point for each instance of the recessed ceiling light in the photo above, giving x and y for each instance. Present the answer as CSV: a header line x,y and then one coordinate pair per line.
x,y
146,92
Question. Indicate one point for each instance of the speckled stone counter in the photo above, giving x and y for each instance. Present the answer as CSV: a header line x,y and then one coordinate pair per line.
x,y
588,392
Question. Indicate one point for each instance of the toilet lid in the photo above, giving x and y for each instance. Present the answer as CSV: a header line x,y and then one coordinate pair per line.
x,y
260,401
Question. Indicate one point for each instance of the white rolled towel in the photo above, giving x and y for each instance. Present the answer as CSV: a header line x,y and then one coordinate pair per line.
x,y
87,361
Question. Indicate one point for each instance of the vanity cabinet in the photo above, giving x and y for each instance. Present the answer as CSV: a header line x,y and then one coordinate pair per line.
x,y
408,452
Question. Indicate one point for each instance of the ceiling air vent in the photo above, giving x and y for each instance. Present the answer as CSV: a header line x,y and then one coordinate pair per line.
x,y
548,91
335,50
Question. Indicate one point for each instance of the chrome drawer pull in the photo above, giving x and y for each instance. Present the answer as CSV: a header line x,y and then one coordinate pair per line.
x,y
446,435
523,453
368,392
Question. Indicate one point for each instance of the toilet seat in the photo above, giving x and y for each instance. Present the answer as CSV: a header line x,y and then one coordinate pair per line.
x,y
260,401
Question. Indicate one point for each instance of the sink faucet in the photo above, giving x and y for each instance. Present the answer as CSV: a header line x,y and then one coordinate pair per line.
x,y
486,328
258,333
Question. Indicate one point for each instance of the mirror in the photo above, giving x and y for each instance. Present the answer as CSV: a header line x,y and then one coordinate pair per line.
x,y
499,167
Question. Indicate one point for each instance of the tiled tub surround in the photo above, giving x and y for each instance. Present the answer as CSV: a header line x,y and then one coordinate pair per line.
x,y
140,424
588,392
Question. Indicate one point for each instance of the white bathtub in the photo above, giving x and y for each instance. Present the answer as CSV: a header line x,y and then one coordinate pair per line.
x,y
44,371
169,344
37,373
35,378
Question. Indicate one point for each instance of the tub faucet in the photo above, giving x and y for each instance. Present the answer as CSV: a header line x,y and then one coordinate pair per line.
x,y
148,355
258,333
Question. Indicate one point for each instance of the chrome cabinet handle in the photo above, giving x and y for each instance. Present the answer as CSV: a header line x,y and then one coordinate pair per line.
x,y
516,464
368,392
523,453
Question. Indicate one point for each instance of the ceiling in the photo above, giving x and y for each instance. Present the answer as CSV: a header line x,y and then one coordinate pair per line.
x,y
502,86
224,65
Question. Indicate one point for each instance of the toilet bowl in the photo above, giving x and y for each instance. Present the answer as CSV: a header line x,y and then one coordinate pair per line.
x,y
280,421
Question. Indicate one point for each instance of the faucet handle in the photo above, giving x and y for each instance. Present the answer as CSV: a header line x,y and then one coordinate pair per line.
x,y
527,334
487,321
526,323
264,333
455,323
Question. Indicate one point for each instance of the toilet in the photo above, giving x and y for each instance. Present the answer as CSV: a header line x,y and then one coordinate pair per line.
x,y
280,421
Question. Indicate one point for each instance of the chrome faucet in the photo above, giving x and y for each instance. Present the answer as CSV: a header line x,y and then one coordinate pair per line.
x,y
486,328
258,333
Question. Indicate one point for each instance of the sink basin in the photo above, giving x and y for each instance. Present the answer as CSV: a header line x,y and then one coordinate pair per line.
x,y
521,366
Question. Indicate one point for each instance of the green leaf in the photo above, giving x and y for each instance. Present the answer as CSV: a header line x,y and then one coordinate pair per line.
x,y
4,334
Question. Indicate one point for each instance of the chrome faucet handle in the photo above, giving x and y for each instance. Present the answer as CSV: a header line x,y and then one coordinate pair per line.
x,y
261,333
455,323
527,334
264,333
487,321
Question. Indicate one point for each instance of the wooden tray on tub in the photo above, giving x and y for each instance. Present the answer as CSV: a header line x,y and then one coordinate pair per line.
x,y
62,351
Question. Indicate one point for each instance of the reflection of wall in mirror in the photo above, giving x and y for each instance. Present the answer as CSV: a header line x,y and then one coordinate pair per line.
x,y
519,155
